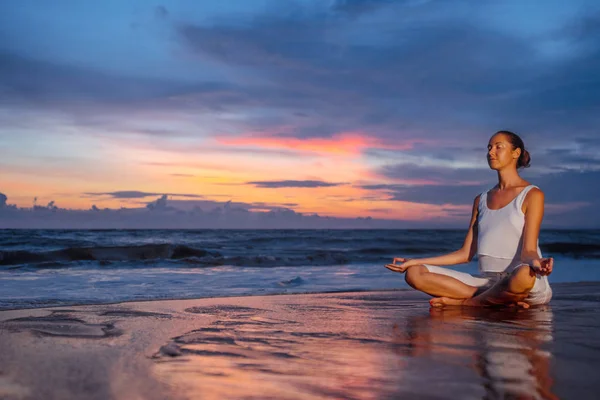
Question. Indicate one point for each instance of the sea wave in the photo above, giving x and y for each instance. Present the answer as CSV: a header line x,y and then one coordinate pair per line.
x,y
181,255
185,255
571,249
114,253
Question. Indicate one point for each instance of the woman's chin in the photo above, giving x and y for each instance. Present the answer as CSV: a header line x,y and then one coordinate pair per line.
x,y
494,165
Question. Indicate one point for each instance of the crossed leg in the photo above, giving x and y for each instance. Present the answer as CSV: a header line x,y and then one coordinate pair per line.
x,y
449,291
511,290
438,285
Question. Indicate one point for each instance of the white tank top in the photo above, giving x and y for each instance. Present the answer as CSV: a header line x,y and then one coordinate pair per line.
x,y
500,232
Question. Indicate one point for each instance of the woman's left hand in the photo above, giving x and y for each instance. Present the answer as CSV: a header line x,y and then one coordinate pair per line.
x,y
543,266
404,264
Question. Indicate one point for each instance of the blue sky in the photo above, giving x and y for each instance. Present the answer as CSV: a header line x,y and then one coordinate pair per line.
x,y
342,108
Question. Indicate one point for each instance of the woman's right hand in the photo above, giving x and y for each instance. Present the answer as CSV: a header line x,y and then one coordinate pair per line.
x,y
404,263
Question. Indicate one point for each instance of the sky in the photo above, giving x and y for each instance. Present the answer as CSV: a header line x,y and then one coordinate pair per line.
x,y
353,110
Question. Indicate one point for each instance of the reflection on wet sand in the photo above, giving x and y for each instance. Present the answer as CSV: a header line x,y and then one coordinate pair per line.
x,y
505,347
377,345
253,355
354,348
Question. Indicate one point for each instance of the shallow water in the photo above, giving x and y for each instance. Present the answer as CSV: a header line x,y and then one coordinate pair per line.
x,y
40,268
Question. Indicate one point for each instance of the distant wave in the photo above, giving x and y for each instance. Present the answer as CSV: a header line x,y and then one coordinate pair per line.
x,y
191,257
188,256
576,250
297,281
118,253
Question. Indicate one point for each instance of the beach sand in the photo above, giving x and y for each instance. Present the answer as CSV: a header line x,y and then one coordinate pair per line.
x,y
358,345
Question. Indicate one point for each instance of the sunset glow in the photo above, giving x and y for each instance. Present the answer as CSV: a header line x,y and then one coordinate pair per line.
x,y
340,110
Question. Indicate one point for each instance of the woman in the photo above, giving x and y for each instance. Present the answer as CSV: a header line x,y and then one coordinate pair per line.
x,y
504,230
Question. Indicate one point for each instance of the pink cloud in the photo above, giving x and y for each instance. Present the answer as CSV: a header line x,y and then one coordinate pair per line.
x,y
345,143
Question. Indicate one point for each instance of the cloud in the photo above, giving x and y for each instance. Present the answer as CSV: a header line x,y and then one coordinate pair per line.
x,y
92,98
166,214
429,194
159,204
134,194
571,187
262,206
584,157
435,175
425,83
293,184
443,61
571,196
342,143
339,76
41,82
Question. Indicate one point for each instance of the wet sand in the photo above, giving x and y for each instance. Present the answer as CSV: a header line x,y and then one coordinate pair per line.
x,y
369,345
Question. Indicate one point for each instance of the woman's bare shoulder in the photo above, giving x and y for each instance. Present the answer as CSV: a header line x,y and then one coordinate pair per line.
x,y
534,198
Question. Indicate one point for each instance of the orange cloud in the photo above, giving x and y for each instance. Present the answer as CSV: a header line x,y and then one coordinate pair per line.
x,y
346,143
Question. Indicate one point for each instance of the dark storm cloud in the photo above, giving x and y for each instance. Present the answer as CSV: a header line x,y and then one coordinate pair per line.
x,y
134,194
292,184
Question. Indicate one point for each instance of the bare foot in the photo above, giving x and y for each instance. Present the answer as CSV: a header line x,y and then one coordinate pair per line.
x,y
439,302
446,301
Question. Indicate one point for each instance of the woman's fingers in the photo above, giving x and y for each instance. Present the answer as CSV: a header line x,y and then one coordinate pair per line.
x,y
398,265
543,266
395,267
548,265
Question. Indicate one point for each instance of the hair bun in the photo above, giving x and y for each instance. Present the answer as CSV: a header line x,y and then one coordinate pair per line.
x,y
524,159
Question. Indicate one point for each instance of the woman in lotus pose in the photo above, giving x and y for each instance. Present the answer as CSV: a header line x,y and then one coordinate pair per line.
x,y
504,230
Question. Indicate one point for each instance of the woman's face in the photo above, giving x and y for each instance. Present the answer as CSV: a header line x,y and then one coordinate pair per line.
x,y
501,153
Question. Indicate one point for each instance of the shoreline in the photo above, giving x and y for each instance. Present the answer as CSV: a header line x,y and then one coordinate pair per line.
x,y
408,289
207,298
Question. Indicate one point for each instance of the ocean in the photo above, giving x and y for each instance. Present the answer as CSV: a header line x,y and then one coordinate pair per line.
x,y
41,268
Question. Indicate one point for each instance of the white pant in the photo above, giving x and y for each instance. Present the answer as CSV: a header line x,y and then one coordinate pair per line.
x,y
541,293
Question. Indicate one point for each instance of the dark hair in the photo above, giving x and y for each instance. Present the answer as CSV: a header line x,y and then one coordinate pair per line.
x,y
524,158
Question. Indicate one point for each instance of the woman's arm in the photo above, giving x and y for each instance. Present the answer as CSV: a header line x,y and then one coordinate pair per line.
x,y
533,207
463,255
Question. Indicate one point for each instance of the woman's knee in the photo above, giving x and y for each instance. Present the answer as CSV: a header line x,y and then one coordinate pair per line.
x,y
414,275
522,279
